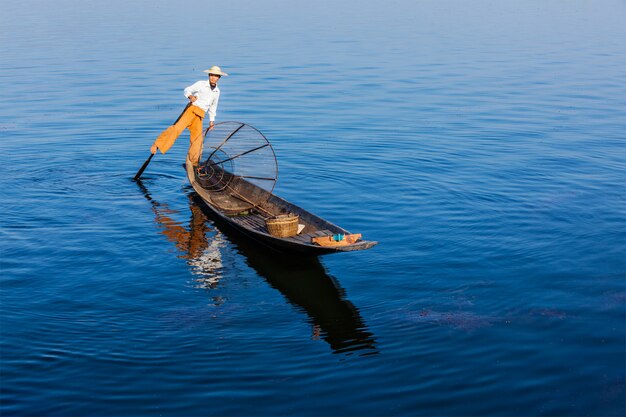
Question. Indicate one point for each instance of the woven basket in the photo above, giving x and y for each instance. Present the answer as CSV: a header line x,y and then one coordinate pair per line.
x,y
283,225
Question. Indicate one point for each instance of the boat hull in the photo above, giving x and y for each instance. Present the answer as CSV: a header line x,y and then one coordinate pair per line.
x,y
253,225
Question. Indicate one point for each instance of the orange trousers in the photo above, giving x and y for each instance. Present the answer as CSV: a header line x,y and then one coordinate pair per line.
x,y
192,120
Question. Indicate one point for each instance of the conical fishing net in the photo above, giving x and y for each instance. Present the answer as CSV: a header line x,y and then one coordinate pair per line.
x,y
239,168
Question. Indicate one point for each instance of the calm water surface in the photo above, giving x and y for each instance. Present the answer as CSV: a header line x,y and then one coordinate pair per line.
x,y
482,143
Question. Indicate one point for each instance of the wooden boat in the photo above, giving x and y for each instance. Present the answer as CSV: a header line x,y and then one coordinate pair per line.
x,y
235,209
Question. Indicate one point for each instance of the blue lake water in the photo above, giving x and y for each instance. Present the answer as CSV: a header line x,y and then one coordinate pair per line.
x,y
481,143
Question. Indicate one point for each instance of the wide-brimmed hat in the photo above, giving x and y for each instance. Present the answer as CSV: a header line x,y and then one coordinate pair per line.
x,y
215,70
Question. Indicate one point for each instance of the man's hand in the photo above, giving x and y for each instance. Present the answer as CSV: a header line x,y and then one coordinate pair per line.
x,y
211,125
192,98
153,149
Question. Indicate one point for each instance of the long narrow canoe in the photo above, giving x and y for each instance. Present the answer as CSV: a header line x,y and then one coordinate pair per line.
x,y
237,212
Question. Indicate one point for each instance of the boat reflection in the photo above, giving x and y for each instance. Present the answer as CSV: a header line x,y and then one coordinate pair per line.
x,y
303,281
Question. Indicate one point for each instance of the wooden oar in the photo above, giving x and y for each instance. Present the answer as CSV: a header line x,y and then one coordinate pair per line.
x,y
143,168
145,164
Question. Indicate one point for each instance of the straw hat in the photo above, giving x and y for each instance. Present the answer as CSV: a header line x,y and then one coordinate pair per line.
x,y
215,70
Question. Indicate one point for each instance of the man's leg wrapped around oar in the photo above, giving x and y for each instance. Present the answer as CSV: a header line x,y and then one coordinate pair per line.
x,y
192,120
195,141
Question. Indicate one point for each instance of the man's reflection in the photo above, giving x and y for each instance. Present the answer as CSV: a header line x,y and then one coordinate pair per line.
x,y
201,253
303,281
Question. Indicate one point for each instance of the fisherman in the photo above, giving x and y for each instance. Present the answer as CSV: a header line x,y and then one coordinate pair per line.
x,y
203,98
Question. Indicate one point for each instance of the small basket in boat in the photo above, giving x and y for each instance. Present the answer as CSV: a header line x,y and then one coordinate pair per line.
x,y
283,225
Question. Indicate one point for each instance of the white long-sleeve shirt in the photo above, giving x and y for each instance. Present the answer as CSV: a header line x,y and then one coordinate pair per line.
x,y
207,98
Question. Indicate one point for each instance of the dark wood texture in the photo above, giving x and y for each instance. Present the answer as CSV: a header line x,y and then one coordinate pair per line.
x,y
230,205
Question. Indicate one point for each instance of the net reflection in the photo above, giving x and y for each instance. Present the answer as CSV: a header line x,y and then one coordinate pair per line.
x,y
302,281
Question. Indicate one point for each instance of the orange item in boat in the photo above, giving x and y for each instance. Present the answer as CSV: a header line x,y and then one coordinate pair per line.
x,y
330,240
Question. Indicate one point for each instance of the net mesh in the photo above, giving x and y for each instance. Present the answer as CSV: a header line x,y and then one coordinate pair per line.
x,y
239,166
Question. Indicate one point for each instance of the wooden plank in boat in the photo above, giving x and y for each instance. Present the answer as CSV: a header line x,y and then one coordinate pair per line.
x,y
302,238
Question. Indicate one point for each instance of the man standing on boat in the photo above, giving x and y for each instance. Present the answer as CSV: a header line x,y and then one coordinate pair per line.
x,y
203,98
